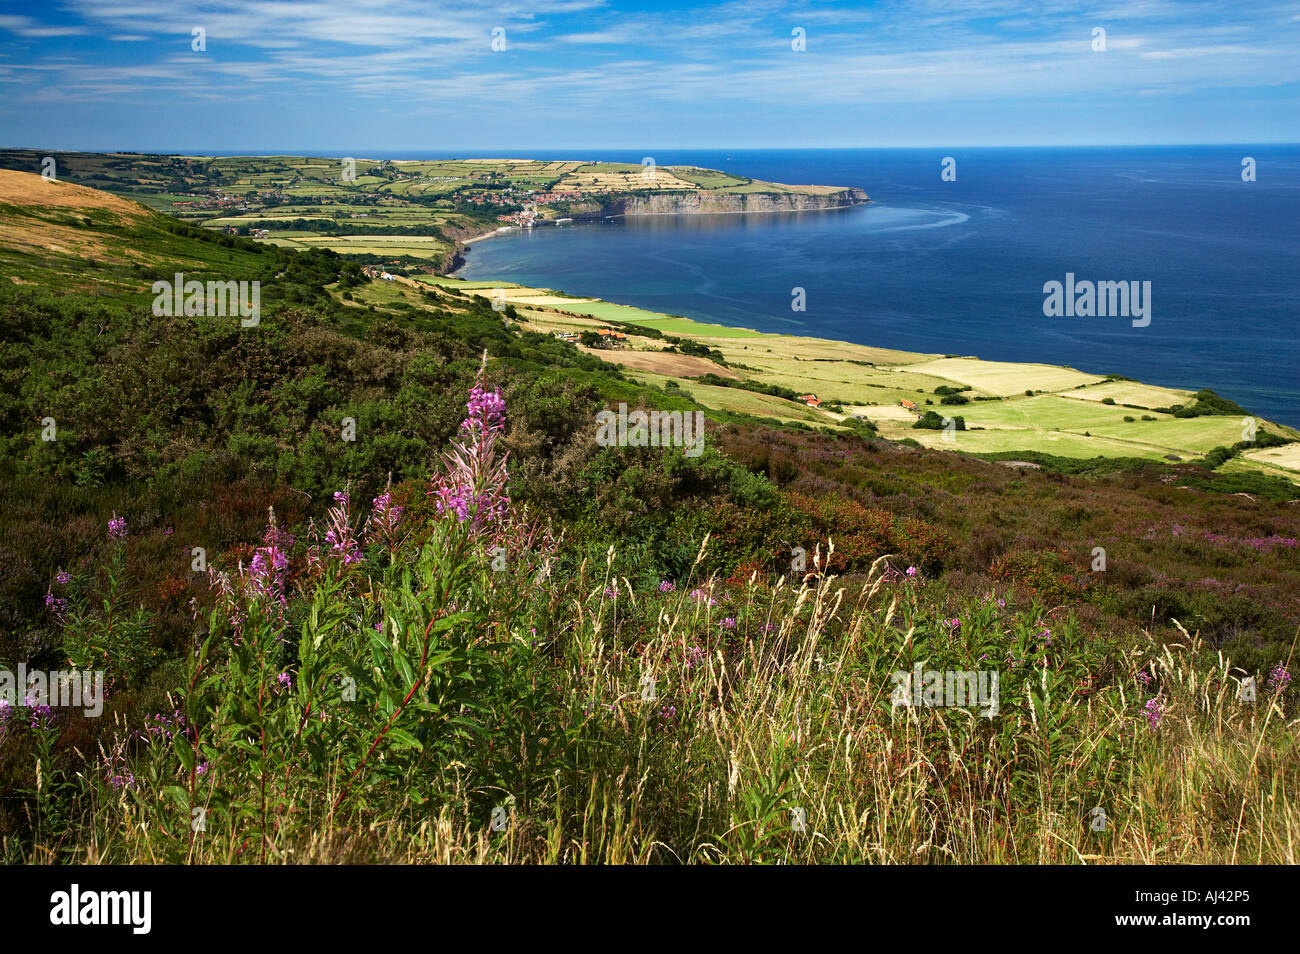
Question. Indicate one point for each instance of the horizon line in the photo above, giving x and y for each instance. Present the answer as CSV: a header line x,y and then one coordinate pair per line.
x,y
314,152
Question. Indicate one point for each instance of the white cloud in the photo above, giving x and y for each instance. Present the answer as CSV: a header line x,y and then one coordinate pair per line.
x,y
26,26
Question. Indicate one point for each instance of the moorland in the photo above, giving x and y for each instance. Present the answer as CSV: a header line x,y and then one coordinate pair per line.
x,y
365,588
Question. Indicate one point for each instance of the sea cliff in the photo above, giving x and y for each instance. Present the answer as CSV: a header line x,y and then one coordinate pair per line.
x,y
705,202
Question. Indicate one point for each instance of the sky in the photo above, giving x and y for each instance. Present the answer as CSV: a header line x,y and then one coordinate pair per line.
x,y
358,77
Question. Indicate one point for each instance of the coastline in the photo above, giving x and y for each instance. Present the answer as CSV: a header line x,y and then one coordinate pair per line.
x,y
1015,408
458,261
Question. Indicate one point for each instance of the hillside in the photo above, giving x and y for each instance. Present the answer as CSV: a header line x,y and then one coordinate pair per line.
x,y
366,585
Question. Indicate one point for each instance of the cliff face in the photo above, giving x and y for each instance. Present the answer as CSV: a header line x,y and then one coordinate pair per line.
x,y
680,203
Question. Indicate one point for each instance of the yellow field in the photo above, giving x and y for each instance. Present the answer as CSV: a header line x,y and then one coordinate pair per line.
x,y
1132,392
1061,444
1287,457
1004,378
882,412
667,363
587,181
741,401
555,301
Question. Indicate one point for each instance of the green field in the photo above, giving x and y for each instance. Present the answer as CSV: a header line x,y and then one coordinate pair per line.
x,y
1067,419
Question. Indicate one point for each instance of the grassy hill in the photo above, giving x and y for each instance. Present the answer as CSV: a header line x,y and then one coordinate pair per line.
x,y
336,618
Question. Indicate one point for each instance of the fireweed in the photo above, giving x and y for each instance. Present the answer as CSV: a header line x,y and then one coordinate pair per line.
x,y
385,651
97,631
473,487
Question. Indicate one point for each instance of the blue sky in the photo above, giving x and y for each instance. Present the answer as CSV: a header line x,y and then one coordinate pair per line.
x,y
356,76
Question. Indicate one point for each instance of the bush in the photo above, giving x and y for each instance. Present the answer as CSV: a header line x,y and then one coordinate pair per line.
x,y
932,420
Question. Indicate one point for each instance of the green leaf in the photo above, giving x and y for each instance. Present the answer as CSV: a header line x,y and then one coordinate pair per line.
x,y
401,739
180,796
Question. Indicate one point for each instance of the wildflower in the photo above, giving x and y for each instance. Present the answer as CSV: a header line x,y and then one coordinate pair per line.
x,y
384,516
42,716
1145,677
284,679
667,586
159,726
339,536
1002,604
473,487
63,578
1278,678
57,607
611,592
729,623
911,571
953,624
117,527
265,577
1154,710
700,596
486,409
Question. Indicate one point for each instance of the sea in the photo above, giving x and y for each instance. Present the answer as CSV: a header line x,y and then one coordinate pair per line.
x,y
958,263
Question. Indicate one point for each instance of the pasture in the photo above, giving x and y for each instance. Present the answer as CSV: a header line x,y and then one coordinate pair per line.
x,y
1004,377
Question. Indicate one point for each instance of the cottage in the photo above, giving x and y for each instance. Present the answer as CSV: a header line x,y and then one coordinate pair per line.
x,y
910,405
811,400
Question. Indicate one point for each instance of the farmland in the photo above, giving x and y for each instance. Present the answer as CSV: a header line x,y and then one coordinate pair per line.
x,y
1006,407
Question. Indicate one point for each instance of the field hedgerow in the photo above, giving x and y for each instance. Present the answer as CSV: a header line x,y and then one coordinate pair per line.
x,y
427,680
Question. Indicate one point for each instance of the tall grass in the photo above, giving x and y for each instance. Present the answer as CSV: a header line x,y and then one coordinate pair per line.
x,y
435,685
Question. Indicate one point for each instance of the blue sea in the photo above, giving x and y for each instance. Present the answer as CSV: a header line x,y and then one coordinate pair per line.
x,y
958,267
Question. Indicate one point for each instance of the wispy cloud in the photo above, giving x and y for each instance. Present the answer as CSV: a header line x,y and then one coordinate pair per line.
x,y
594,60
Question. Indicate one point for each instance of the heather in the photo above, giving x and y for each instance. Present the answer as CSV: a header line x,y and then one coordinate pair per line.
x,y
437,673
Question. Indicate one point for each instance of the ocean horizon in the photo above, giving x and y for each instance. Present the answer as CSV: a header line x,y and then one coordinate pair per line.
x,y
959,266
